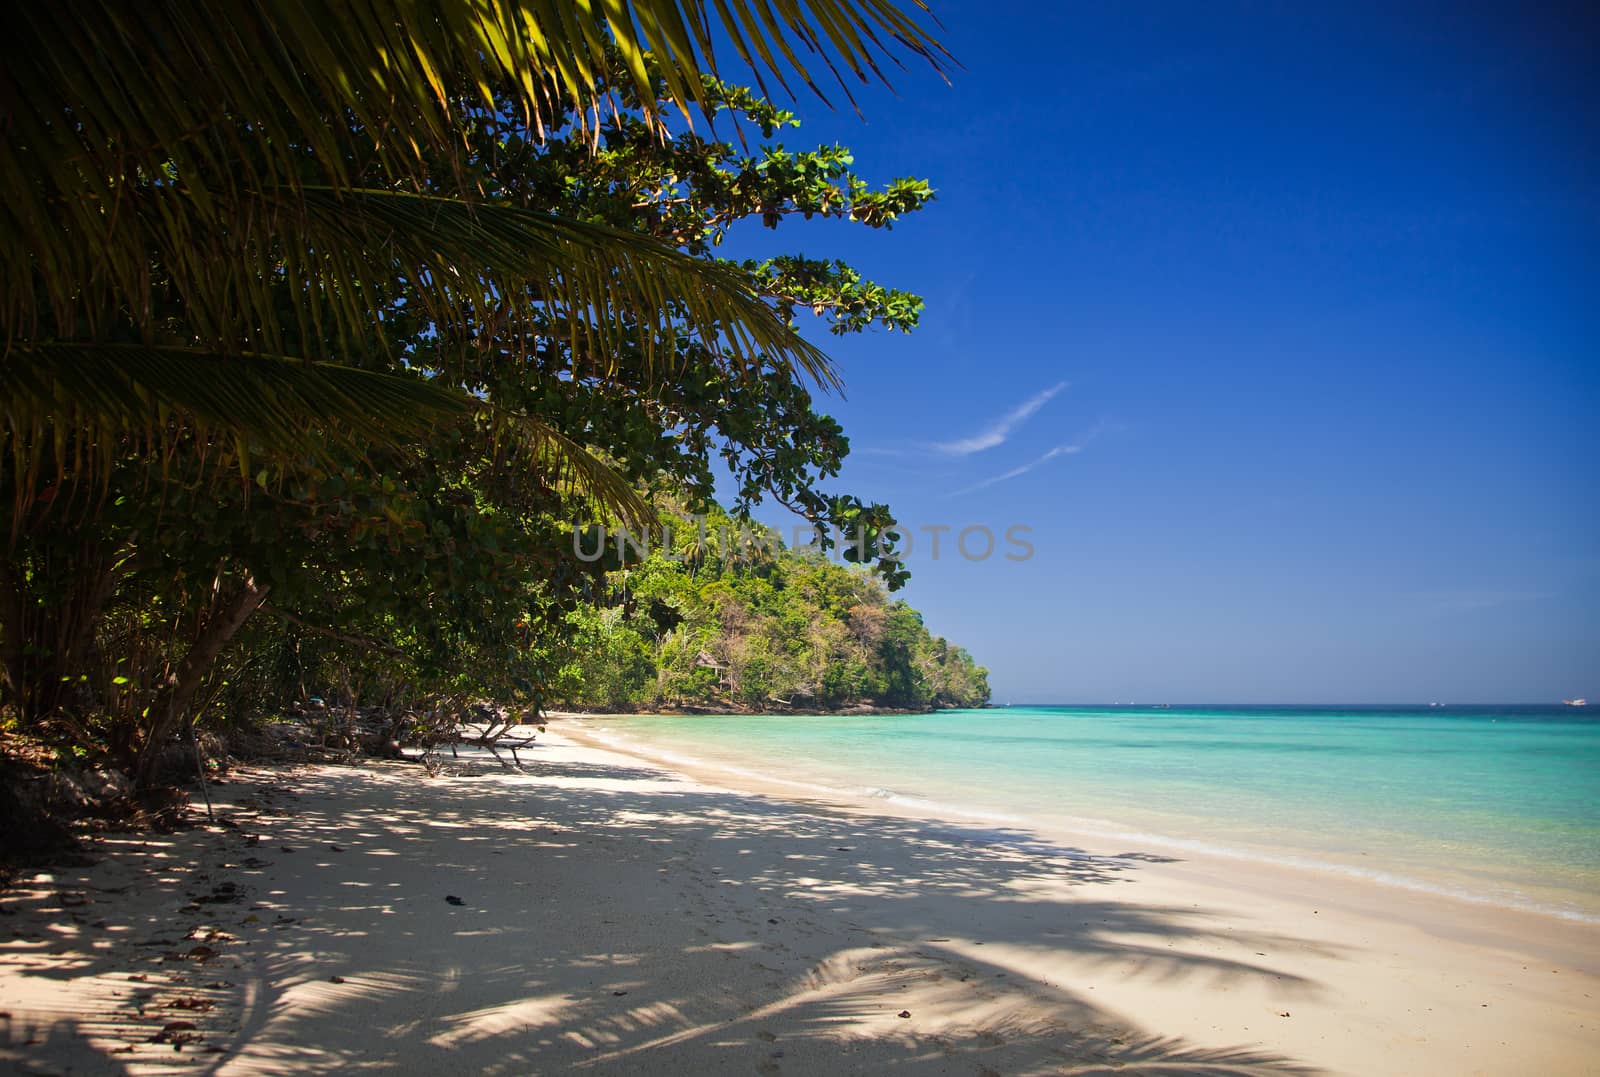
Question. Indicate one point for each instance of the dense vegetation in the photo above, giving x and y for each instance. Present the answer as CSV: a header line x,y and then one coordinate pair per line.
x,y
697,626
311,409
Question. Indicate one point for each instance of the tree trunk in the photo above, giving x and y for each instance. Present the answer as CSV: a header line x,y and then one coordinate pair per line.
x,y
172,702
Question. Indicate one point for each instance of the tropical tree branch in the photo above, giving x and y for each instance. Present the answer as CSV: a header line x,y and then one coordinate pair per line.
x,y
342,637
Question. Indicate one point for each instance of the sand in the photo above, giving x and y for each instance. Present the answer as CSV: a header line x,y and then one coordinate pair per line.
x,y
614,916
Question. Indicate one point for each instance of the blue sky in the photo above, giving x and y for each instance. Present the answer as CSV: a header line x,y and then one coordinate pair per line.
x,y
1276,327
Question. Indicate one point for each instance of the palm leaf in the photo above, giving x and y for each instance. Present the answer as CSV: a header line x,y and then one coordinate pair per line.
x,y
183,163
134,76
65,403
337,260
581,274
526,442
266,399
101,100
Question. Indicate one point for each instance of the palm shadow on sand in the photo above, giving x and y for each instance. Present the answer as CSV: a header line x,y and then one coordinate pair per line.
x,y
806,922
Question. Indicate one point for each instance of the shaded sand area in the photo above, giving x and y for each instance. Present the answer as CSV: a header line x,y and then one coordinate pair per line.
x,y
597,914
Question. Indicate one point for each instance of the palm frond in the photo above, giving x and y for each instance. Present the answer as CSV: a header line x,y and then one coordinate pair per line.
x,y
580,273
267,407
139,79
526,442
323,265
185,167
100,99
68,411
284,404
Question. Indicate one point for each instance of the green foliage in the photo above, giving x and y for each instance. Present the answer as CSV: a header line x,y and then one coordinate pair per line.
x,y
123,182
221,568
695,625
318,196
689,190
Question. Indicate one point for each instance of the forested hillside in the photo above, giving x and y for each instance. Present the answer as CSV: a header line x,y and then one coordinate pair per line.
x,y
789,630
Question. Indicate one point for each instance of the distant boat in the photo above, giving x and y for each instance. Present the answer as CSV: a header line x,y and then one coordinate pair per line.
x,y
1576,702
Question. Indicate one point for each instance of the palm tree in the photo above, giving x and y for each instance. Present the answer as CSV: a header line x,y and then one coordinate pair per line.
x,y
198,199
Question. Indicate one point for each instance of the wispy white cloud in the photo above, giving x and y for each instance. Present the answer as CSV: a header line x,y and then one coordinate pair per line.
x,y
1059,450
1002,428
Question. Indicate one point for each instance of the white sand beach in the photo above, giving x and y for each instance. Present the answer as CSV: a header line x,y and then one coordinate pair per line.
x,y
613,916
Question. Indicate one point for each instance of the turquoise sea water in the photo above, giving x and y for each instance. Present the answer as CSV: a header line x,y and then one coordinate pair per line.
x,y
1498,804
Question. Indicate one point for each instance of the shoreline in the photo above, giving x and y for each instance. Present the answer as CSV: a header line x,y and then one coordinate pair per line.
x,y
864,710
612,915
1223,868
1455,878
